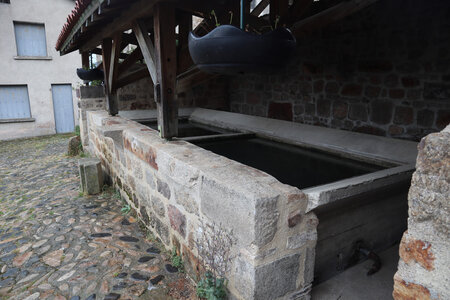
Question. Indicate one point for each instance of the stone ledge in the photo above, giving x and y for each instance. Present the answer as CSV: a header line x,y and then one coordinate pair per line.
x,y
369,148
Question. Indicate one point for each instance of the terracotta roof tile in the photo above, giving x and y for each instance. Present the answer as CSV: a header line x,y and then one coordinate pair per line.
x,y
72,19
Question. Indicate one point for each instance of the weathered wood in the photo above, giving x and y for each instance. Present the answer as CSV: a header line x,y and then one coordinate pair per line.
x,y
165,46
121,23
99,52
260,8
130,60
132,77
85,60
278,8
298,9
330,15
114,62
111,100
184,60
147,49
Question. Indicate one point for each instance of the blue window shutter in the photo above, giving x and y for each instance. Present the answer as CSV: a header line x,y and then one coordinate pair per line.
x,y
30,39
14,102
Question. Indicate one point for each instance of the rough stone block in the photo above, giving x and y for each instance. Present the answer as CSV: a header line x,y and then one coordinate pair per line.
x,y
158,206
91,175
381,111
177,220
277,278
163,188
91,92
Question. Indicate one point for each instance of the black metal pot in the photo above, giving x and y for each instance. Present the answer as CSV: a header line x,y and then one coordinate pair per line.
x,y
230,50
90,75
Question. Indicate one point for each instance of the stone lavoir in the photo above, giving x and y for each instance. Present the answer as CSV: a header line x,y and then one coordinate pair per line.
x,y
178,186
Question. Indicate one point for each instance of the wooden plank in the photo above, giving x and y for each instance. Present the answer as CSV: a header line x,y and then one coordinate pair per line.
x,y
114,62
330,15
130,60
111,100
184,60
85,60
260,8
278,8
121,23
147,49
298,9
99,52
165,46
132,77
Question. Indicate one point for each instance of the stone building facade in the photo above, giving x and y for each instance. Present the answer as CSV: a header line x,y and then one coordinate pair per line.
x,y
384,70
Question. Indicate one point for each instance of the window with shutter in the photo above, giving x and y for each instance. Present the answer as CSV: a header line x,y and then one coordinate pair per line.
x,y
14,102
30,39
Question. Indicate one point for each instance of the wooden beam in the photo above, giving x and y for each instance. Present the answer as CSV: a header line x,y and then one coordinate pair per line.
x,y
85,60
278,8
147,49
260,8
330,15
111,100
184,60
121,23
298,9
114,63
165,46
132,77
130,60
99,52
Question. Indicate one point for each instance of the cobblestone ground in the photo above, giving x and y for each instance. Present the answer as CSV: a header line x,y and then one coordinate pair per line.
x,y
58,244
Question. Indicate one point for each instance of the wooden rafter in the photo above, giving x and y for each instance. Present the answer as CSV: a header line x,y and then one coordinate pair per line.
x,y
298,9
147,49
120,23
132,77
111,99
114,62
130,60
260,8
330,15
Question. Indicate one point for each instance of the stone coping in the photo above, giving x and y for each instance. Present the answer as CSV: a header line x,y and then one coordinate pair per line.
x,y
328,193
150,114
383,151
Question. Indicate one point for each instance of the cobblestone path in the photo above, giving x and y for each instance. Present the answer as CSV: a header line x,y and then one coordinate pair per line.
x,y
58,244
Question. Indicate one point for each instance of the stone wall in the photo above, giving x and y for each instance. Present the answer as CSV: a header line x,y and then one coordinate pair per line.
x,y
176,188
384,71
423,270
208,94
90,98
137,95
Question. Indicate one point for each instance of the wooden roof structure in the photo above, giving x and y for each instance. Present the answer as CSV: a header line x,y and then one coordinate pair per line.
x,y
107,27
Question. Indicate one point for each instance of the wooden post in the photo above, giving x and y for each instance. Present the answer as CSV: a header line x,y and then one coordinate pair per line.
x,y
85,62
114,63
184,60
166,67
111,99
278,8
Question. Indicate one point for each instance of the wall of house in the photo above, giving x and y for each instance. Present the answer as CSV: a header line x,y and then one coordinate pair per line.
x,y
38,75
424,250
384,70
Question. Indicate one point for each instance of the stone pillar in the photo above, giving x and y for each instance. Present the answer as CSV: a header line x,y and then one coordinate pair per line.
x,y
424,250
89,98
91,175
